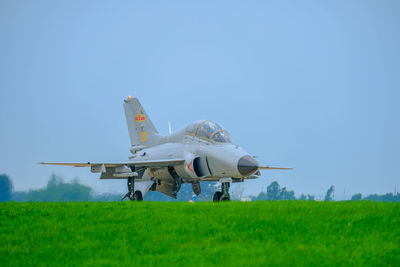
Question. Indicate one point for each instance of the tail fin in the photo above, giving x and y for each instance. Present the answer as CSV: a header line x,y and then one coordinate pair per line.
x,y
141,130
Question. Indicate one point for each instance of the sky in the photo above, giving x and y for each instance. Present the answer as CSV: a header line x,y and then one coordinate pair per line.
x,y
313,85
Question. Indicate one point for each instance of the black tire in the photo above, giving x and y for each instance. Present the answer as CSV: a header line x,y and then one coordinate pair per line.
x,y
217,196
138,196
225,198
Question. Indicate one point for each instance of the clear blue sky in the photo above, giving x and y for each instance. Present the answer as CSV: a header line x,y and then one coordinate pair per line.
x,y
314,85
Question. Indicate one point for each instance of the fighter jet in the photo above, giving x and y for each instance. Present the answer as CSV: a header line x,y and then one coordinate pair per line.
x,y
203,151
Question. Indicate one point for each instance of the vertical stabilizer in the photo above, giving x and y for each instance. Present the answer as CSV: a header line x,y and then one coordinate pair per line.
x,y
141,130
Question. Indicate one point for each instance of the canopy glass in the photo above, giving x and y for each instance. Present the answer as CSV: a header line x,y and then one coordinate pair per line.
x,y
208,130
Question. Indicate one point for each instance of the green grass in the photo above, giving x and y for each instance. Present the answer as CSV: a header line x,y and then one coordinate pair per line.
x,y
200,234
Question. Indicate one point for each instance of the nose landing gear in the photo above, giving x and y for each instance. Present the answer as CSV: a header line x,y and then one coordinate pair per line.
x,y
223,195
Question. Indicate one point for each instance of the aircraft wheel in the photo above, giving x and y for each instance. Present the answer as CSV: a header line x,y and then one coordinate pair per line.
x,y
217,196
138,196
225,198
225,192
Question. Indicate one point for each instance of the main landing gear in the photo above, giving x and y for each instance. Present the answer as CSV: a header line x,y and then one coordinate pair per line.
x,y
132,194
222,195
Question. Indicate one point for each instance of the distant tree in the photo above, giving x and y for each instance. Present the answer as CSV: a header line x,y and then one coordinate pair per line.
x,y
107,197
157,196
19,196
356,197
5,188
273,191
389,197
286,195
54,181
57,190
310,197
329,193
261,196
303,197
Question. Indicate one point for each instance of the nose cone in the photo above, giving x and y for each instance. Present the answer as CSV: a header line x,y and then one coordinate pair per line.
x,y
247,166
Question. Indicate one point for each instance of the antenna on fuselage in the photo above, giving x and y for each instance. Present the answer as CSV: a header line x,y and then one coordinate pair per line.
x,y
169,128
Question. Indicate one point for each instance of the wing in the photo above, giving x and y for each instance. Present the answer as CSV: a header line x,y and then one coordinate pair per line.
x,y
120,170
88,164
142,163
272,168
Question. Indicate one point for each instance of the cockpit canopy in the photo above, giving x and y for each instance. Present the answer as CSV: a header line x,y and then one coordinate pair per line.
x,y
208,130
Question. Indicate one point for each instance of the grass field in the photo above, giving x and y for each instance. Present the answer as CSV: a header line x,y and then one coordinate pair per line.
x,y
200,234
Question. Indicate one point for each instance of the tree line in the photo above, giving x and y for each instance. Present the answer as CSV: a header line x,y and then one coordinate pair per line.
x,y
58,190
275,192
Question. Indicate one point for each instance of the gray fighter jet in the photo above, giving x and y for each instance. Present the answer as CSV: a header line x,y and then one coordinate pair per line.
x,y
203,151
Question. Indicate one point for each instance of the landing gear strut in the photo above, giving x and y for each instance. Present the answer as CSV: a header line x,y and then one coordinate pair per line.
x,y
224,195
132,194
